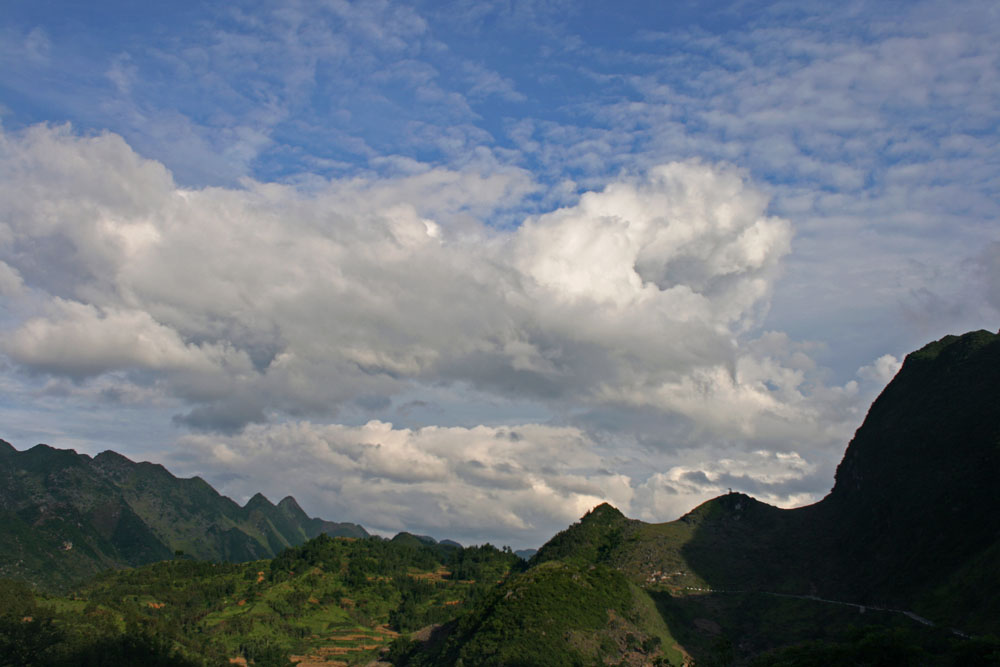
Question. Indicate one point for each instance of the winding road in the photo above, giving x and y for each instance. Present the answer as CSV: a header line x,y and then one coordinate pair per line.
x,y
861,607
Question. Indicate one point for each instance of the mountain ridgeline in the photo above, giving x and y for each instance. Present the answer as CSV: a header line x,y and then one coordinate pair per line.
x,y
915,511
898,565
67,516
895,566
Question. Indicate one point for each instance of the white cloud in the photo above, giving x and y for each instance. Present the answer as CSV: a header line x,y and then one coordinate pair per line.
x,y
882,370
256,307
689,242
784,479
517,484
514,483
301,300
487,83
10,280
37,45
80,340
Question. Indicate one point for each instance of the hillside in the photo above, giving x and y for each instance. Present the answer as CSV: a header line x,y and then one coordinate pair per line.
x,y
904,549
915,511
329,601
66,516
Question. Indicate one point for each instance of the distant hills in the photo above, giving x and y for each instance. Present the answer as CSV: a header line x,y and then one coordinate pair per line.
x,y
66,516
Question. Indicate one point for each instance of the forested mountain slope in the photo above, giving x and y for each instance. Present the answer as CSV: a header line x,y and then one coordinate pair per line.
x,y
65,516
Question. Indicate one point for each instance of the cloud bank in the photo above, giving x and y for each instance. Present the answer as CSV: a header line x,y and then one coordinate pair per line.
x,y
268,303
299,302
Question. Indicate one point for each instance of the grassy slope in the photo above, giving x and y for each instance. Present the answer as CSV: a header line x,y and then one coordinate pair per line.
x,y
558,613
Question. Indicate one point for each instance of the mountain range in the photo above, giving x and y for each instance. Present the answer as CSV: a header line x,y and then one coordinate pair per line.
x,y
67,516
899,564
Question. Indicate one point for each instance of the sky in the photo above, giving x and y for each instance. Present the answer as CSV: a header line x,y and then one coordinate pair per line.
x,y
469,269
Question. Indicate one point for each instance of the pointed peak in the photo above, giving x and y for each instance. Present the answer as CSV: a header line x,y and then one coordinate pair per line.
x,y
258,500
288,501
113,464
112,454
289,505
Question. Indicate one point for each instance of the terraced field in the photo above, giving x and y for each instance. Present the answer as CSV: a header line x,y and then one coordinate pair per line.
x,y
329,602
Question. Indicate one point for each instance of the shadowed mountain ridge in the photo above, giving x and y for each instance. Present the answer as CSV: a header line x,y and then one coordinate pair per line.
x,y
909,534
66,516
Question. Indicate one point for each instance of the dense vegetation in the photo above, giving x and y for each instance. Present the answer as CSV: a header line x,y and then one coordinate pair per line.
x,y
555,614
331,597
66,516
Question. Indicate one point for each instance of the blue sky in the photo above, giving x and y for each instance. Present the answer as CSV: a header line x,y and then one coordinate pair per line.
x,y
470,268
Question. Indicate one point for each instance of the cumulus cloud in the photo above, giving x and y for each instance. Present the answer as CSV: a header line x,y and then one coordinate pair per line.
x,y
519,484
882,370
10,280
515,483
784,479
81,340
268,311
299,301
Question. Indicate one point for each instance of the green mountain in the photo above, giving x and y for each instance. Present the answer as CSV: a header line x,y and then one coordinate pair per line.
x,y
896,565
66,516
